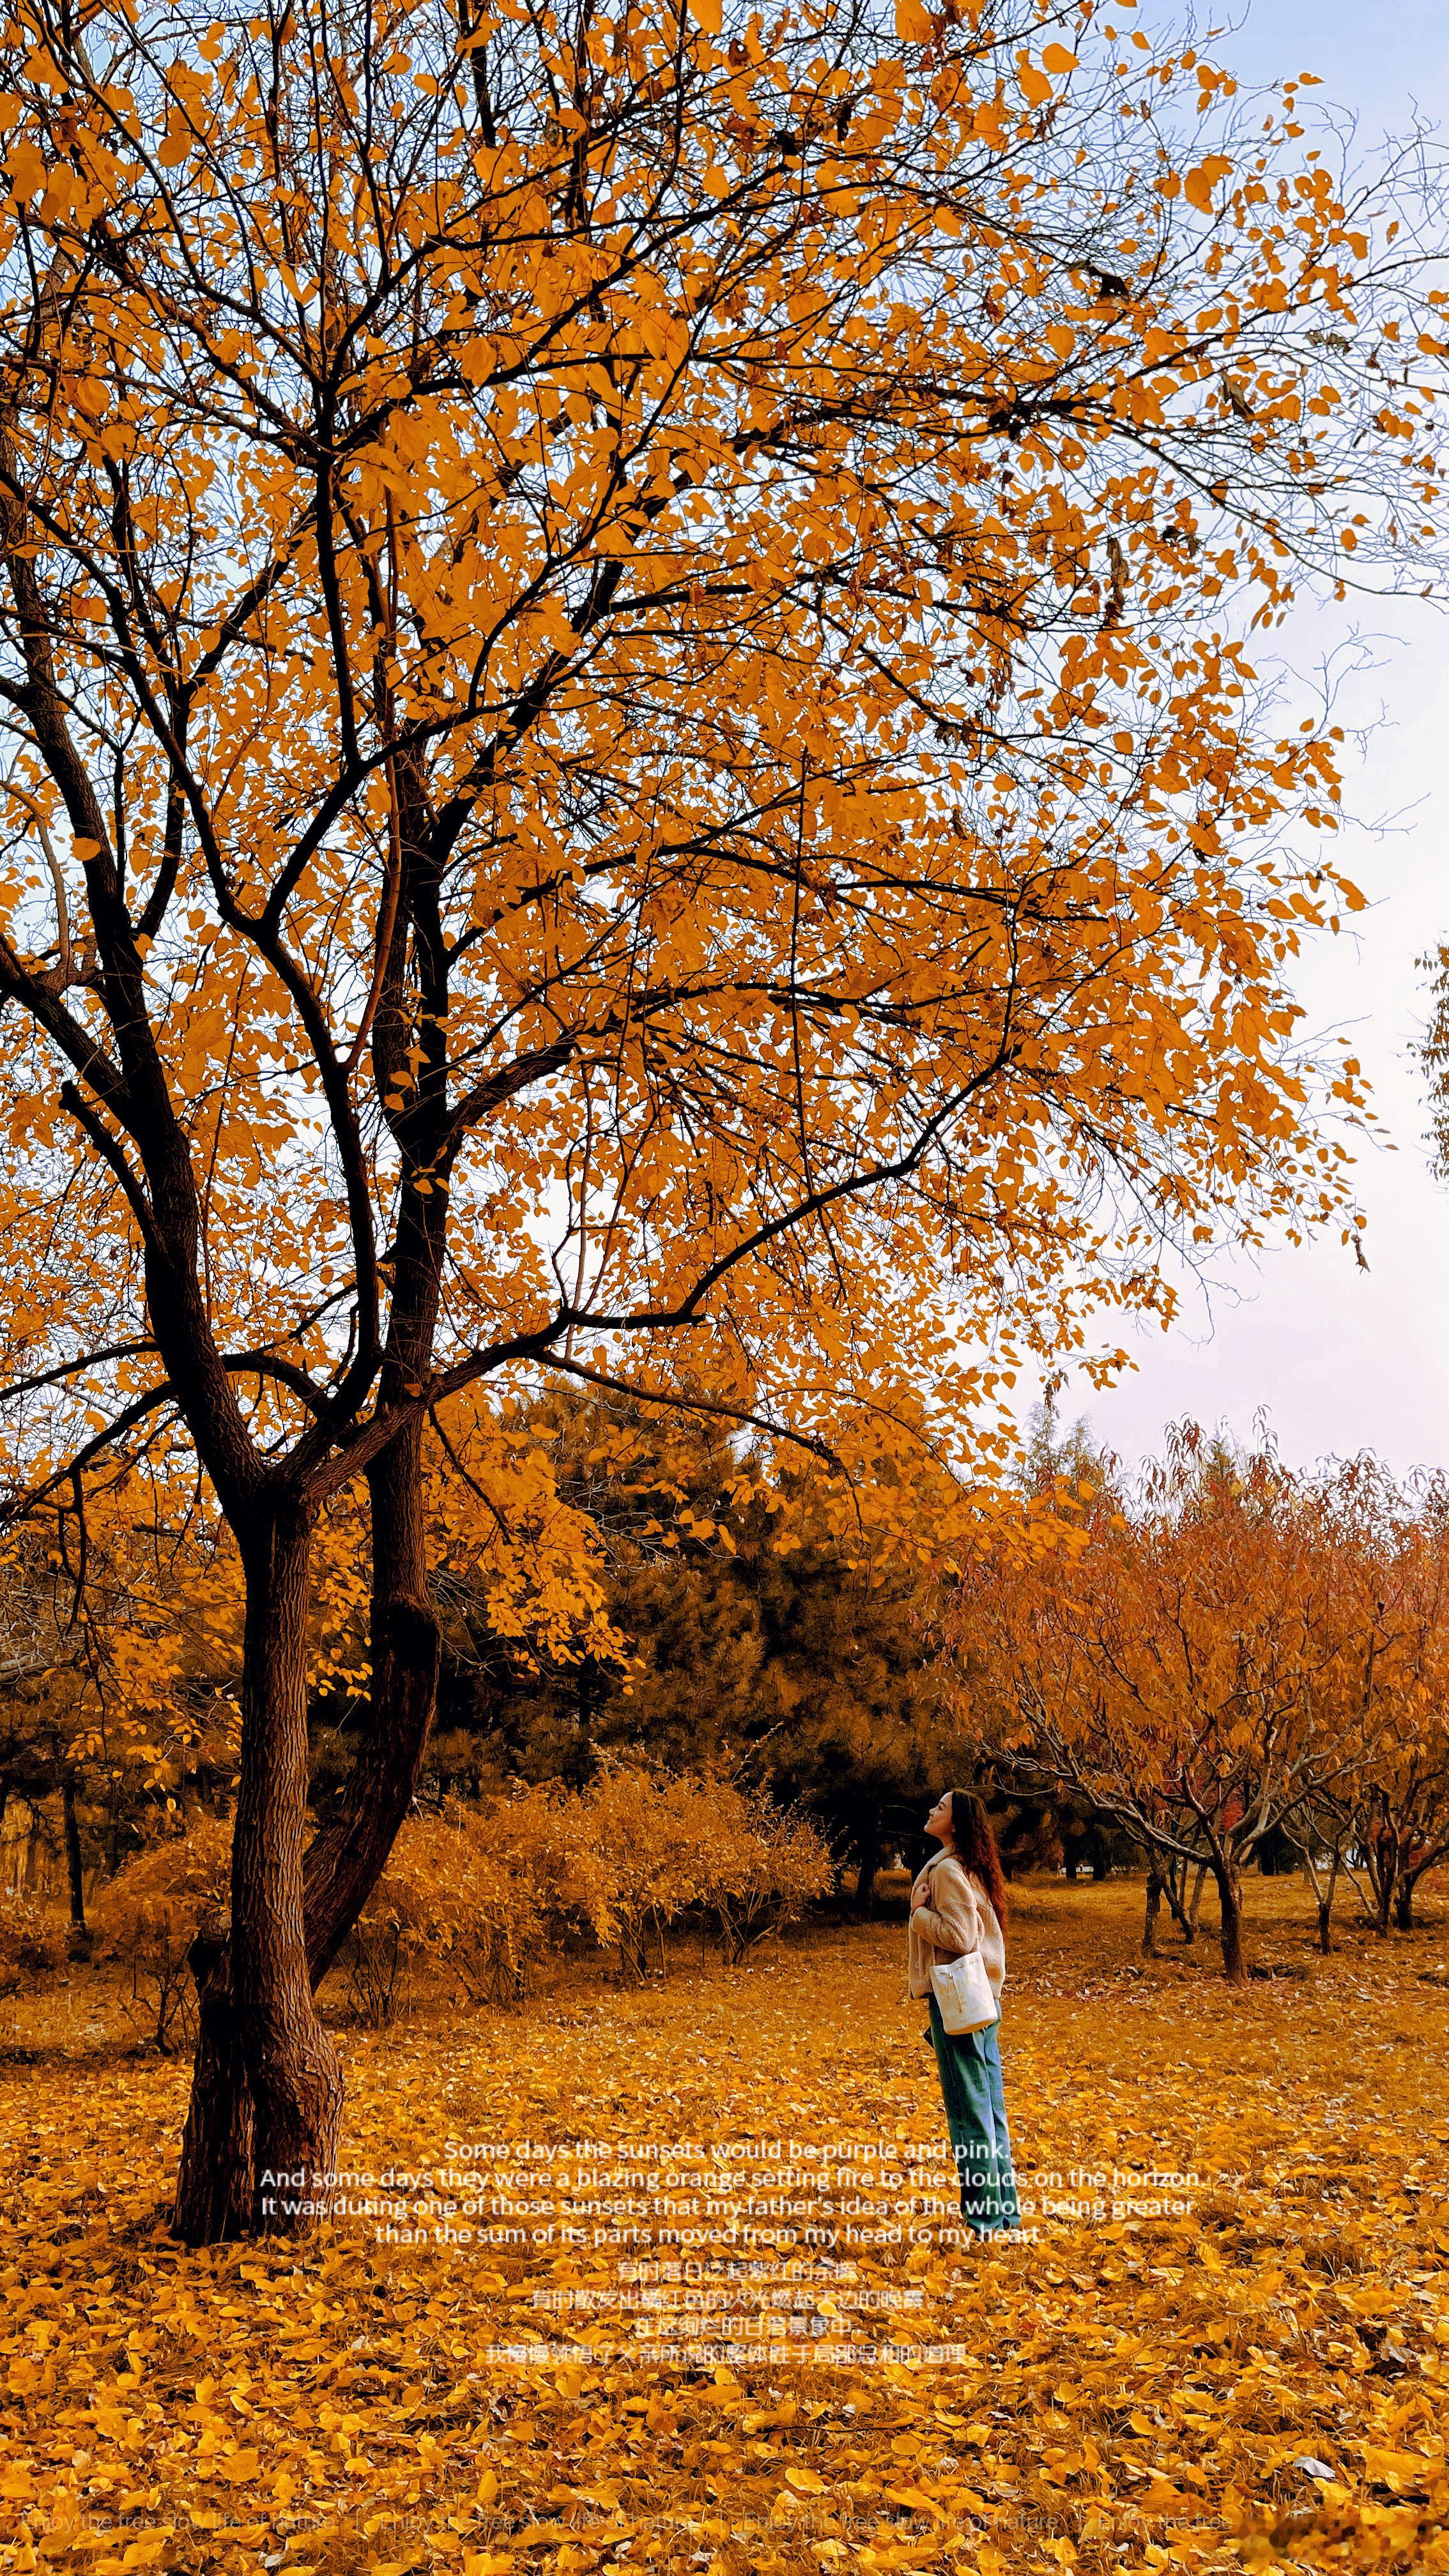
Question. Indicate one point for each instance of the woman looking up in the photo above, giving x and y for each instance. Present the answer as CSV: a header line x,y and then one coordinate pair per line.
x,y
958,1903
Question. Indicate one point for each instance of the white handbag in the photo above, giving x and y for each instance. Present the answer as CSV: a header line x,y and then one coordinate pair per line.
x,y
963,1993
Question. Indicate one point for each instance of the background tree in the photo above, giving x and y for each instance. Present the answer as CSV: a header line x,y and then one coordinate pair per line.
x,y
1400,1823
630,734
851,1711
758,1631
672,1673
1224,1653
122,1650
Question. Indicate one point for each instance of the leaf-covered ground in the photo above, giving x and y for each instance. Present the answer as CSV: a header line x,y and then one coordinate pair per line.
x,y
1116,2392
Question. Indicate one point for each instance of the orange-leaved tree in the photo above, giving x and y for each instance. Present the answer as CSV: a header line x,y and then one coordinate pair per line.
x,y
631,751
1234,1652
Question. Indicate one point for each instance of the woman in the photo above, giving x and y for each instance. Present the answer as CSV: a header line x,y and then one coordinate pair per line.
x,y
957,1904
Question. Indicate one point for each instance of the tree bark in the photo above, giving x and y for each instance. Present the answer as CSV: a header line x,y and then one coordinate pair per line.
x,y
1173,1894
215,2191
1230,1899
1380,1842
30,1870
1149,1921
267,2087
1404,1904
73,1854
349,1855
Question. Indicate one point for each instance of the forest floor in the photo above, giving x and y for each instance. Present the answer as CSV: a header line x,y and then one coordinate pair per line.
x,y
1222,2337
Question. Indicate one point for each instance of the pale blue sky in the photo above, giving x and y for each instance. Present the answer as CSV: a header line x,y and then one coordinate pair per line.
x,y
1341,1359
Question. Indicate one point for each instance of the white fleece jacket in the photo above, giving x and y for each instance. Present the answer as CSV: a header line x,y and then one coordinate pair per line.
x,y
958,1915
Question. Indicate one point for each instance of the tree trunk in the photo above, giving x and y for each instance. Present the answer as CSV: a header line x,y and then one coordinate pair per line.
x,y
1404,1904
1197,1889
1381,1859
73,1855
867,1863
1230,1898
1176,1907
1149,1920
349,1855
267,2087
1325,1904
215,2191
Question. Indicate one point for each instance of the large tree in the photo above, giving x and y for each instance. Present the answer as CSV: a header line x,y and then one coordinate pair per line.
x,y
630,751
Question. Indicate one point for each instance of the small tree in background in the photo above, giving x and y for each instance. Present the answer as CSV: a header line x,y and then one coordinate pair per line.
x,y
1229,1647
480,1895
1401,1818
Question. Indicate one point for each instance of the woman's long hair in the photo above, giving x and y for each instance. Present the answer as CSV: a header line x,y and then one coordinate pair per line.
x,y
976,1846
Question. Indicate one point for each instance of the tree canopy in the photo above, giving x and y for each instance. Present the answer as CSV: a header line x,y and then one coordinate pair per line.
x,y
677,604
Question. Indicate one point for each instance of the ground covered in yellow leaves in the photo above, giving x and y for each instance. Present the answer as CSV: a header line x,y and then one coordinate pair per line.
x,y
1224,2335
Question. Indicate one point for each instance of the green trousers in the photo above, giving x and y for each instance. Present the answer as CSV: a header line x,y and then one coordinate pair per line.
x,y
970,2068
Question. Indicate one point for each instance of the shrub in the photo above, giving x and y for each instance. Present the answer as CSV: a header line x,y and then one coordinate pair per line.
x,y
762,1864
478,1890
433,1902
28,1942
636,1827
698,1842
482,1892
148,1916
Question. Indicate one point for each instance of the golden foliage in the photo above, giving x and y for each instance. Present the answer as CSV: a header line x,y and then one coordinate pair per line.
x,y
634,755
149,1913
689,749
1228,1651
28,1940
485,1893
481,1894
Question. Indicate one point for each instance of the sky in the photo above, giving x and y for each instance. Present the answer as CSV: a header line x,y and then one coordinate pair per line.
x,y
1341,1359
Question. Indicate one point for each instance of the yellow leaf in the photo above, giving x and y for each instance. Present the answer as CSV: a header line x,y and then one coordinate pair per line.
x,y
915,2497
236,2467
1199,184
